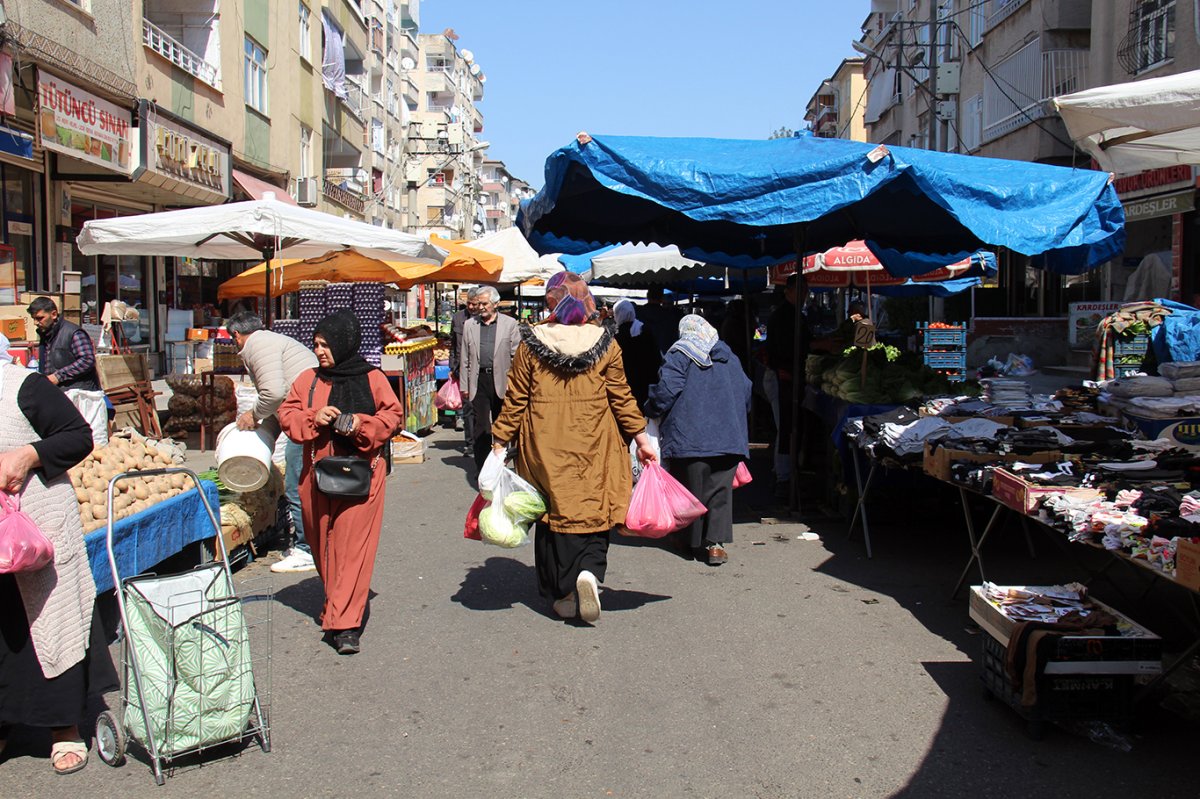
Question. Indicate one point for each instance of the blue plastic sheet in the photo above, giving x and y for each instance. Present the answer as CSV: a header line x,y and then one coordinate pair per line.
x,y
767,199
142,541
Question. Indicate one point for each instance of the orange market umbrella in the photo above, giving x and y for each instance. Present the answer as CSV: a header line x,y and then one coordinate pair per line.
x,y
463,264
336,266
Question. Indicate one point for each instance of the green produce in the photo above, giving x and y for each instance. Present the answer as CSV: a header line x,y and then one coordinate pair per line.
x,y
525,505
495,527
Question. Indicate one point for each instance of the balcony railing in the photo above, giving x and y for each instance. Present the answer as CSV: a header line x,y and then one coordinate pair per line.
x,y
169,48
1001,10
355,100
1027,81
350,200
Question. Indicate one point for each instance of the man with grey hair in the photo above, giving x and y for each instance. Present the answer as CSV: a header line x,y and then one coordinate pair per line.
x,y
489,343
273,362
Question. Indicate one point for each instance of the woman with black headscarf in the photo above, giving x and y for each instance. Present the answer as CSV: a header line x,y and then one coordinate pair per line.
x,y
342,532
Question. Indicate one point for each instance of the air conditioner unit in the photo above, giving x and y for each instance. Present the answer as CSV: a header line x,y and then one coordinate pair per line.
x,y
306,191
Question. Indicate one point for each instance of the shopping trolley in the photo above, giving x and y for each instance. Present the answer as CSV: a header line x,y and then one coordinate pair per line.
x,y
187,683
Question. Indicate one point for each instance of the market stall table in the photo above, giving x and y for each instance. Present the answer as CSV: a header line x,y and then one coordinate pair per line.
x,y
412,364
142,541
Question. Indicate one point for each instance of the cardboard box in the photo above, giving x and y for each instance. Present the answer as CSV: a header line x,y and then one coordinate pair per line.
x,y
70,302
13,329
1182,430
197,334
21,355
406,448
1021,495
938,461
1135,651
1187,564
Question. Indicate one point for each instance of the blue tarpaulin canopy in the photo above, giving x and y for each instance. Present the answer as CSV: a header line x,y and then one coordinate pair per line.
x,y
744,203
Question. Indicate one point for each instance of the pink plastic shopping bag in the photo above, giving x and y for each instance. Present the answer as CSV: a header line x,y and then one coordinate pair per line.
x,y
23,547
449,396
660,504
742,475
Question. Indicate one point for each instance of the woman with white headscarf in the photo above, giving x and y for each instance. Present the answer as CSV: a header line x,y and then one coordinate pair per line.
x,y
638,351
703,397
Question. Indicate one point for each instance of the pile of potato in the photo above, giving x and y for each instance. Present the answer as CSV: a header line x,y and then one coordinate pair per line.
x,y
133,495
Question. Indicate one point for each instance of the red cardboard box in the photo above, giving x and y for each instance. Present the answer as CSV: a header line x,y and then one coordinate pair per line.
x,y
1187,564
1023,496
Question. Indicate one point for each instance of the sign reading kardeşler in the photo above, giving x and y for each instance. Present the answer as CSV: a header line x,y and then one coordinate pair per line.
x,y
77,123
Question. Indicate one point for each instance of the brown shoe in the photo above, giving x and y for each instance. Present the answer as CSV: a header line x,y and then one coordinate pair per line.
x,y
716,555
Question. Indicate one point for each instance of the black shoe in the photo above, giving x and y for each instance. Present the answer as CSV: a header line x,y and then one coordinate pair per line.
x,y
346,642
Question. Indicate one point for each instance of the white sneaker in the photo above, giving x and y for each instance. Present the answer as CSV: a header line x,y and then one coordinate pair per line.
x,y
295,560
588,594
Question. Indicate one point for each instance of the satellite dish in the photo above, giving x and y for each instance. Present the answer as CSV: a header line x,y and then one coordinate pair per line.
x,y
407,63
475,70
483,78
467,55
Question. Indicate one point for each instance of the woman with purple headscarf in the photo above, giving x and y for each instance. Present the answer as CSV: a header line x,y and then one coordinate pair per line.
x,y
569,412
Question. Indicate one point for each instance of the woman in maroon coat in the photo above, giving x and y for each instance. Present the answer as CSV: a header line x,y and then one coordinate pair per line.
x,y
343,533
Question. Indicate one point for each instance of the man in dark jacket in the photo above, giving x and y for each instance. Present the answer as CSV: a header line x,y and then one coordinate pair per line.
x,y
65,354
779,382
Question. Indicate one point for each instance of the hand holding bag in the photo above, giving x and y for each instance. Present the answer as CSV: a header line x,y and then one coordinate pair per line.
x,y
341,476
23,547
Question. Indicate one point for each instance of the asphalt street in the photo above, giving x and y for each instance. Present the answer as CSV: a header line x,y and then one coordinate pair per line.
x,y
798,669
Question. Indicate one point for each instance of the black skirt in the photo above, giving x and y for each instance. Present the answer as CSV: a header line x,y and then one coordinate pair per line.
x,y
711,481
26,696
560,557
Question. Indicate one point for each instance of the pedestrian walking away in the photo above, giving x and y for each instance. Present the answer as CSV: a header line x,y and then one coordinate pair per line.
x,y
569,412
53,655
639,352
273,362
703,397
489,343
342,532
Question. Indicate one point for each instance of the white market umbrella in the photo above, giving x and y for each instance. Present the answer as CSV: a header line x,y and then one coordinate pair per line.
x,y
521,263
1132,127
643,264
251,230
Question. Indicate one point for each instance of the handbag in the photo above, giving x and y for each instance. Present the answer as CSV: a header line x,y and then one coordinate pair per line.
x,y
341,476
23,546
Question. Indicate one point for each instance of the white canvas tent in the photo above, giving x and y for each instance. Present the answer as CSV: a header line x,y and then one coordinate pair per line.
x,y
1131,127
647,264
521,262
252,230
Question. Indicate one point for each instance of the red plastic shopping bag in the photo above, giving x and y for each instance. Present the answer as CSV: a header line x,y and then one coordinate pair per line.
x,y
660,504
741,475
471,528
449,396
23,547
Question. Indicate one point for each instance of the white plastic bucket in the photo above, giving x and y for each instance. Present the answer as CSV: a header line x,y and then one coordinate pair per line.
x,y
244,457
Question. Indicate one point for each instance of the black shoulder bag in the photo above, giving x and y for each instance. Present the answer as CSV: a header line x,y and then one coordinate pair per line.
x,y
341,476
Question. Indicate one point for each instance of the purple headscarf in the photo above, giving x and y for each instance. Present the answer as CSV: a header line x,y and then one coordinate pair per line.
x,y
569,300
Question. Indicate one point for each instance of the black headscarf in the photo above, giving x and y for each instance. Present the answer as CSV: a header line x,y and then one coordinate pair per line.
x,y
351,391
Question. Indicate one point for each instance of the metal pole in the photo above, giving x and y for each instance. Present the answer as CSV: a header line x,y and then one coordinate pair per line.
x,y
935,123
798,386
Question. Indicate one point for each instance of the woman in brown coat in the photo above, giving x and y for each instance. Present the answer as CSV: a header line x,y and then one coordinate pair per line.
x,y
569,412
343,533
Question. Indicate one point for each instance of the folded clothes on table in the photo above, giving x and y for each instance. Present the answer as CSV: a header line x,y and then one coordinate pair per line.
x,y
1179,370
1130,387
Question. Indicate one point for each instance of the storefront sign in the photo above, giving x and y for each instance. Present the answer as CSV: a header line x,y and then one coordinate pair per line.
x,y
1162,205
1084,317
79,124
170,149
1154,181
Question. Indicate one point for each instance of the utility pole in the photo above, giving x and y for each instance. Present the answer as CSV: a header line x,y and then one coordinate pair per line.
x,y
935,123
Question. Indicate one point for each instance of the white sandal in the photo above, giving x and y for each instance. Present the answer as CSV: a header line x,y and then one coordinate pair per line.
x,y
63,748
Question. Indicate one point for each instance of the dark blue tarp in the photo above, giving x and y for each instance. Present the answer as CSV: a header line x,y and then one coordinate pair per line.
x,y
719,200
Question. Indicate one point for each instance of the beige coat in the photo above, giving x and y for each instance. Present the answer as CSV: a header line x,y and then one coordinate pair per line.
x,y
571,414
507,338
273,361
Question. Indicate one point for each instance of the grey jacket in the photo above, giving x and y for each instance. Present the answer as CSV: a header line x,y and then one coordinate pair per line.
x,y
274,361
507,339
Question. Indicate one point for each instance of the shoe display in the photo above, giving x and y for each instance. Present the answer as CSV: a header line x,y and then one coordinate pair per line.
x,y
566,607
294,560
347,643
716,555
588,594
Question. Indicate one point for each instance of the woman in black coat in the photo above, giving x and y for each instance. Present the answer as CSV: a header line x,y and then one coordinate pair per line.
x,y
638,351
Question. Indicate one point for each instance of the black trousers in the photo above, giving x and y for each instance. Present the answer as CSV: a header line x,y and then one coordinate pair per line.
x,y
485,407
560,557
711,481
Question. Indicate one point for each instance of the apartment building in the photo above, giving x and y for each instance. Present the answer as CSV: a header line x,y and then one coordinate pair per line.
x,y
837,109
445,154
500,196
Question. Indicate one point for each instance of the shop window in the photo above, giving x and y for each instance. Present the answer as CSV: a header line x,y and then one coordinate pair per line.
x,y
19,194
111,277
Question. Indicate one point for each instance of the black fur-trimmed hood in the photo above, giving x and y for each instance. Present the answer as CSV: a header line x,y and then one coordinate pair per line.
x,y
569,348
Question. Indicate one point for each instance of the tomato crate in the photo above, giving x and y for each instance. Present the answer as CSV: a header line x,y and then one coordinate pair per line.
x,y
938,338
946,360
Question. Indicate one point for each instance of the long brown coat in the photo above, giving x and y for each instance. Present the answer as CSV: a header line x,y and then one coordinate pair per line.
x,y
570,412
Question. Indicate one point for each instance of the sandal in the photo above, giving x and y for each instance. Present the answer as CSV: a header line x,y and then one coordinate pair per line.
x,y
62,749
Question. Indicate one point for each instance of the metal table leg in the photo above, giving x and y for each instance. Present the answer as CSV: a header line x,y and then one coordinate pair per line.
x,y
976,543
860,507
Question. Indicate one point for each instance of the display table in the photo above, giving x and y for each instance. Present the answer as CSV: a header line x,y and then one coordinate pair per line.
x,y
142,541
412,364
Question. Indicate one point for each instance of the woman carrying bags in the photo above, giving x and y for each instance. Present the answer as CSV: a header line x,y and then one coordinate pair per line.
x,y
569,412
703,397
344,407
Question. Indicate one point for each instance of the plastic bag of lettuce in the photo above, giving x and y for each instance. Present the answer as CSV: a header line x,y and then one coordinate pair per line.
x,y
513,505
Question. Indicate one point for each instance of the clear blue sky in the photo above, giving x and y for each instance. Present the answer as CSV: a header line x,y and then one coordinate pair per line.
x,y
731,69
